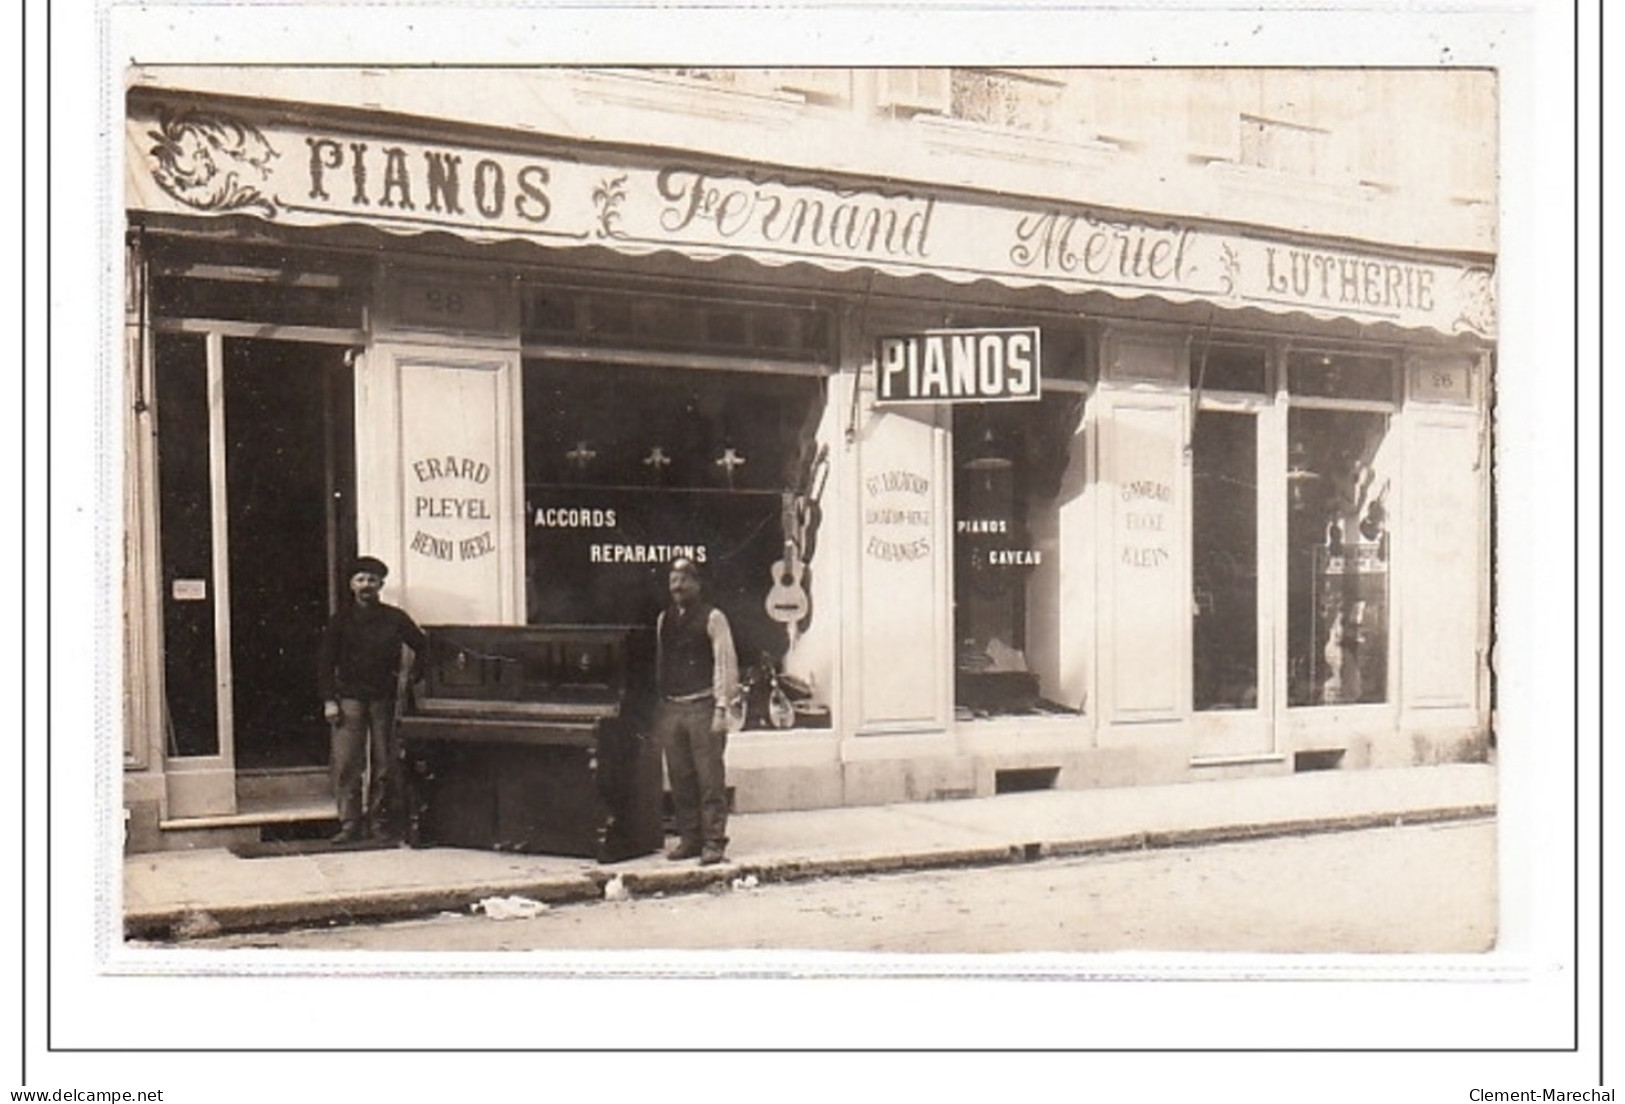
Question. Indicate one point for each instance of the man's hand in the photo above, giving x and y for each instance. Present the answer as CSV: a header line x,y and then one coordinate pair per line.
x,y
719,722
330,711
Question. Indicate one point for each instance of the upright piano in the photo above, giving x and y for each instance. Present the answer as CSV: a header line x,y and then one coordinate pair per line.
x,y
534,739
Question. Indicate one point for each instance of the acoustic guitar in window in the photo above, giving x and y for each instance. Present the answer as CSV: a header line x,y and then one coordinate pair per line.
x,y
787,598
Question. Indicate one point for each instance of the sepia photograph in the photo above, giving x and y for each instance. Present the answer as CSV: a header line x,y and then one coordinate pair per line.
x,y
810,508
881,529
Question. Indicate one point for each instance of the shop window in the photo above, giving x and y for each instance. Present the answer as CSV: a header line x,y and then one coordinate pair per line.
x,y
1010,461
628,467
1339,480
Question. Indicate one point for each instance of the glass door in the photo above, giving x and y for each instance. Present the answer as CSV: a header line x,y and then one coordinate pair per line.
x,y
290,526
1230,673
1231,456
255,448
1291,480
1224,561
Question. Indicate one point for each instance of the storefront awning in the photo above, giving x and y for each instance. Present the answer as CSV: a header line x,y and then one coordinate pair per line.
x,y
191,160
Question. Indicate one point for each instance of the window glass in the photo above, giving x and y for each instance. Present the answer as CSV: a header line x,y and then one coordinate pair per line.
x,y
1339,478
1224,560
1068,354
1340,376
640,320
1218,367
1012,463
186,543
628,467
245,301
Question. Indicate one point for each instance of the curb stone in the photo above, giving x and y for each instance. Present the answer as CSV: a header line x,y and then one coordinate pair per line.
x,y
183,923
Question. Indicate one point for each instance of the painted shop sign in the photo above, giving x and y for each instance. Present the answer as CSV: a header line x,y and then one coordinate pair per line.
x,y
984,539
198,160
983,365
449,508
600,554
612,527
897,516
1144,509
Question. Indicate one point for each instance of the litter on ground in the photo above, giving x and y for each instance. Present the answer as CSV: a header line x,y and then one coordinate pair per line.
x,y
509,908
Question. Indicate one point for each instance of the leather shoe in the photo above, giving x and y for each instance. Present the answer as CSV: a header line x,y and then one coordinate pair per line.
x,y
683,851
350,833
710,856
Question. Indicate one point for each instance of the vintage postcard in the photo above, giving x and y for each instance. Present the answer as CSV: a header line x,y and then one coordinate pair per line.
x,y
914,508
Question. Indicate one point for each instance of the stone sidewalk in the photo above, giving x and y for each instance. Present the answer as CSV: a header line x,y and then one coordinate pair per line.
x,y
174,895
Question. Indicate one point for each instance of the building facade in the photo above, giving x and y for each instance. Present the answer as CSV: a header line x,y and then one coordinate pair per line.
x,y
1056,428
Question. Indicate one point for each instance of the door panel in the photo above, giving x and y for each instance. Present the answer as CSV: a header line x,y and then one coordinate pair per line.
x,y
1442,530
1147,601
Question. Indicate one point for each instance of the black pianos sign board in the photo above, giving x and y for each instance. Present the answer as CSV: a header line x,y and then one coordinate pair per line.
x,y
952,366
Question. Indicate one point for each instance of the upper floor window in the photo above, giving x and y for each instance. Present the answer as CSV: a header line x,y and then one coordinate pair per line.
x,y
998,98
1283,147
829,85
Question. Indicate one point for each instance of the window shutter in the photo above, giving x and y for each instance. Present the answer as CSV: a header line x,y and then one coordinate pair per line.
x,y
820,84
912,91
1213,120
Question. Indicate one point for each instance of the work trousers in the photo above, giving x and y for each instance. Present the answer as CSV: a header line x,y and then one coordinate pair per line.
x,y
694,765
365,738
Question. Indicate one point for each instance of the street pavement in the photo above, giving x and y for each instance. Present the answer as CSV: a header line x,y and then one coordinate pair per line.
x,y
186,894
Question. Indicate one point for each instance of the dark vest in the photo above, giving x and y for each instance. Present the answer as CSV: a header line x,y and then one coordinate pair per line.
x,y
686,660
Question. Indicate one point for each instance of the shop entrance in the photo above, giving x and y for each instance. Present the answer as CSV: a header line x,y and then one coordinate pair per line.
x,y
1234,463
1231,684
290,528
1291,474
256,504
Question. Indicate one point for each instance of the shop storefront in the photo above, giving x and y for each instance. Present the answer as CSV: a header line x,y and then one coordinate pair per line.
x,y
997,494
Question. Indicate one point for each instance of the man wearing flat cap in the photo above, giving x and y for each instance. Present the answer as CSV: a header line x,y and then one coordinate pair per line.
x,y
360,666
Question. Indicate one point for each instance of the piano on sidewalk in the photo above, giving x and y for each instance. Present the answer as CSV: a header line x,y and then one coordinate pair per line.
x,y
534,739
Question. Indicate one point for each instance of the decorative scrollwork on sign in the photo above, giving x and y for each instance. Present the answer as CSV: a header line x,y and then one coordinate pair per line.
x,y
608,197
203,160
1477,311
1231,265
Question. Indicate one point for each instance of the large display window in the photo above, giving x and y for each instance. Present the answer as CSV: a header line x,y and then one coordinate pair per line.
x,y
630,466
1010,461
1341,471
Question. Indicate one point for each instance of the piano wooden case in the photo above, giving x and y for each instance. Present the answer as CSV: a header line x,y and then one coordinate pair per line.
x,y
534,739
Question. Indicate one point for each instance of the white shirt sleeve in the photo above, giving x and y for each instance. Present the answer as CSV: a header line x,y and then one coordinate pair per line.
x,y
724,663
